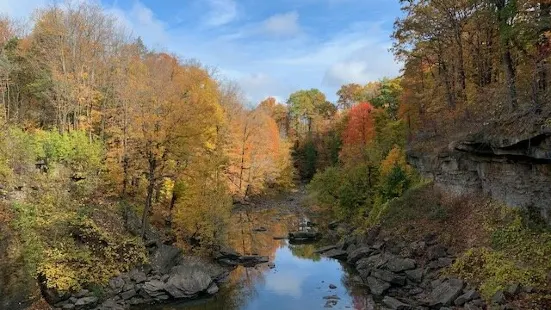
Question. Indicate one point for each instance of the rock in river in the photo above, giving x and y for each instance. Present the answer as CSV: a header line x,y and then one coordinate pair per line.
x,y
185,282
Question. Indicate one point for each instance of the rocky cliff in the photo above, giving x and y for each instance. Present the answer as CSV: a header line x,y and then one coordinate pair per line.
x,y
511,167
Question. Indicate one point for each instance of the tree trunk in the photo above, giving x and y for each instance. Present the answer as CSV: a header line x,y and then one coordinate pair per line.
x,y
509,68
150,187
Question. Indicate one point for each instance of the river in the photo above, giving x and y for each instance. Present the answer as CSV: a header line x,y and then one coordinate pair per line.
x,y
301,279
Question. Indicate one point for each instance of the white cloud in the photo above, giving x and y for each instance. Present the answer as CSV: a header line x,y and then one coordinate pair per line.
x,y
142,22
221,12
282,24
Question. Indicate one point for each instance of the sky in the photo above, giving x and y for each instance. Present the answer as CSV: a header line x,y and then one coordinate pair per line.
x,y
269,47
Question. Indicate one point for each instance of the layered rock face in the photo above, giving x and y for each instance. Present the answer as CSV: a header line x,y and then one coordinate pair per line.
x,y
515,171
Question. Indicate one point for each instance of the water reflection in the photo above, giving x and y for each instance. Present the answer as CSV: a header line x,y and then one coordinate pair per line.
x,y
300,279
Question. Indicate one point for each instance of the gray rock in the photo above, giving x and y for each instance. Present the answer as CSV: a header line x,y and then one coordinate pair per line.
x,y
398,264
128,294
185,282
213,289
336,254
440,263
376,286
389,276
68,306
165,257
446,293
471,306
86,301
332,297
358,254
325,249
468,296
331,303
415,275
395,304
513,289
154,288
82,293
436,252
372,262
332,286
138,276
498,298
303,236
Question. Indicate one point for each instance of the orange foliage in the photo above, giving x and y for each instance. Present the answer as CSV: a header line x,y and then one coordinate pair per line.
x,y
360,128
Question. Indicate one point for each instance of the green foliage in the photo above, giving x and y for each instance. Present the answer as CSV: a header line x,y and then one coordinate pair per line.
x,y
72,251
518,254
347,192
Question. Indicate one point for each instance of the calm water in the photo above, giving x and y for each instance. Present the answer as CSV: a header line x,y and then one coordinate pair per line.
x,y
300,279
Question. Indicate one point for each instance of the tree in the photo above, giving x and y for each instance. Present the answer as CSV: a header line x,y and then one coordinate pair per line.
x,y
358,133
307,108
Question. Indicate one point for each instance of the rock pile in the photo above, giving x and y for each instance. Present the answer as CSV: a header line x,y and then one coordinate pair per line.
x,y
407,276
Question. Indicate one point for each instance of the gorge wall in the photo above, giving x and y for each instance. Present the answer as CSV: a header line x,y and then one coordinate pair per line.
x,y
512,168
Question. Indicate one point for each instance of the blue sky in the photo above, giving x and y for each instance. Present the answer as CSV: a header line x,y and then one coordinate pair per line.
x,y
269,47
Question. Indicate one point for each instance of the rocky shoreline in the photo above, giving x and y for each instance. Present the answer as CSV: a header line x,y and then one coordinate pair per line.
x,y
409,275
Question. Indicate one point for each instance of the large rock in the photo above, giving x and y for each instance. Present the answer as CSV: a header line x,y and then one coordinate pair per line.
x,y
398,264
165,257
468,296
389,276
415,275
86,302
154,288
376,286
372,262
395,304
336,254
186,282
358,254
446,292
303,236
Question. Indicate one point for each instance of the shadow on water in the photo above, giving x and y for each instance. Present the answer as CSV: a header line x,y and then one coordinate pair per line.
x,y
300,279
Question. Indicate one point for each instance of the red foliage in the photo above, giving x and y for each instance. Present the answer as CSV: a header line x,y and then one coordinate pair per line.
x,y
360,128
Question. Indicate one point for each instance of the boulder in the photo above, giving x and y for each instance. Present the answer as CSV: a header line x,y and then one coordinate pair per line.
x,y
389,276
398,264
395,304
446,292
376,286
186,282
372,262
436,252
86,302
302,236
128,294
137,276
498,298
415,275
164,257
154,288
468,296
325,249
513,289
213,289
358,254
336,254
